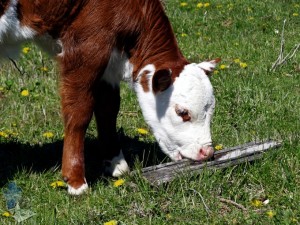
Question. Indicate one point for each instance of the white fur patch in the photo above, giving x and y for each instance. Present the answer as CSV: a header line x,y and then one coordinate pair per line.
x,y
118,166
83,188
12,34
118,68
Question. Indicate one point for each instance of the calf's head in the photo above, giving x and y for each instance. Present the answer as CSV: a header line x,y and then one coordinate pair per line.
x,y
180,111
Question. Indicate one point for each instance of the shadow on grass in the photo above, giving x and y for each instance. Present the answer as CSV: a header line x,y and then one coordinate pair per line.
x,y
15,156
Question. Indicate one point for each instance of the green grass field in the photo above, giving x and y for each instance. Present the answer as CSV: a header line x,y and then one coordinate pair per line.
x,y
253,103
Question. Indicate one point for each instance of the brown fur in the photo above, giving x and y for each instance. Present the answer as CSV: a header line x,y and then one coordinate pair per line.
x,y
88,31
3,6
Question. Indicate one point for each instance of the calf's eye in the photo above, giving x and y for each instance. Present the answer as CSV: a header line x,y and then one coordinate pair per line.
x,y
183,113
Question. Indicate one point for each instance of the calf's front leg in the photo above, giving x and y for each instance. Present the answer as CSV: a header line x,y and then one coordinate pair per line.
x,y
107,104
77,109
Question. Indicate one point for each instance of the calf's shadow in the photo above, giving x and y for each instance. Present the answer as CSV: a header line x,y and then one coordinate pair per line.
x,y
15,156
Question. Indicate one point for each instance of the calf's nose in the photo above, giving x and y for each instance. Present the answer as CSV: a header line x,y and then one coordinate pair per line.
x,y
206,152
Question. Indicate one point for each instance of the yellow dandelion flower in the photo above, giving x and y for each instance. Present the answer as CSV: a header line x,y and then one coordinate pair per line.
x,y
119,183
25,50
294,220
44,69
243,65
184,35
3,134
112,222
57,184
200,5
183,4
206,4
295,14
142,131
219,147
48,135
270,213
6,214
256,203
11,133
223,67
25,93
237,60
216,71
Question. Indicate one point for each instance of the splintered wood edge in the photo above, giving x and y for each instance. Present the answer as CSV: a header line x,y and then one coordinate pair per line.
x,y
163,173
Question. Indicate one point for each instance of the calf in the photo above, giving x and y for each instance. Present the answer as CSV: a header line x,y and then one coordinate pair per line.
x,y
99,42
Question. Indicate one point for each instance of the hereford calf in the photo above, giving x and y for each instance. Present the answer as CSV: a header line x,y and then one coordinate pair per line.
x,y
100,42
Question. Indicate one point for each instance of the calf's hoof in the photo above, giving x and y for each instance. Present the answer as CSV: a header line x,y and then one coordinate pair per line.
x,y
118,166
77,189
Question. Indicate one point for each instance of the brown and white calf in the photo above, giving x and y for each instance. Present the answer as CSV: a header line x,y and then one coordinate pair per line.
x,y
99,42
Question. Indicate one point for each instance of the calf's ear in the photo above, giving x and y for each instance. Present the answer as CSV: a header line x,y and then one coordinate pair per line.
x,y
161,80
209,66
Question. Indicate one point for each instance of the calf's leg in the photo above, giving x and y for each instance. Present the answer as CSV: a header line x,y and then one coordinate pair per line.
x,y
107,105
77,109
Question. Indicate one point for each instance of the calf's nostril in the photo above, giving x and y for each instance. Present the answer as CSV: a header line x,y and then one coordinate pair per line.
x,y
206,152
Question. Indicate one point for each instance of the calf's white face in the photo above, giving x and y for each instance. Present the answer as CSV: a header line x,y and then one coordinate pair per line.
x,y
180,116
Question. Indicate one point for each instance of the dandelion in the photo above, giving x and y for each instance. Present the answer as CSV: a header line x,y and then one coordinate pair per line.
x,y
183,4
25,50
6,214
295,14
57,184
44,69
184,35
223,67
48,135
294,220
119,183
216,71
256,203
206,4
3,134
112,222
200,5
142,131
243,65
270,213
237,60
219,147
25,93
11,133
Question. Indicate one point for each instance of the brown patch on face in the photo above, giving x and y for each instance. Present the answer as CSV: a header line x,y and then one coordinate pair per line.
x,y
144,81
3,6
183,113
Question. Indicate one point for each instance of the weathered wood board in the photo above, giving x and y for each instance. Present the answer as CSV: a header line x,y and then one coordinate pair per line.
x,y
224,158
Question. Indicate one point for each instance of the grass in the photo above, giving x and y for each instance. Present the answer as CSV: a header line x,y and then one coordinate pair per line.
x,y
253,103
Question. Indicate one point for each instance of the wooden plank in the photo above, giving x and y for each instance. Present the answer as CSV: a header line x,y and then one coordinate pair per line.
x,y
163,173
